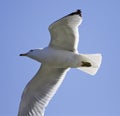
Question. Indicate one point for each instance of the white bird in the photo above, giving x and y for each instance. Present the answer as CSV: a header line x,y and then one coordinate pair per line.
x,y
56,59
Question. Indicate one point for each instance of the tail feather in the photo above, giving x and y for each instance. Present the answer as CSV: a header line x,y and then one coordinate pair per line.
x,y
94,61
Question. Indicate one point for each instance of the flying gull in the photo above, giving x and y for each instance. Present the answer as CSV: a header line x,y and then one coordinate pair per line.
x,y
56,59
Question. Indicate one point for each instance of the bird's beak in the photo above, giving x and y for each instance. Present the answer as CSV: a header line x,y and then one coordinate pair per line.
x,y
25,54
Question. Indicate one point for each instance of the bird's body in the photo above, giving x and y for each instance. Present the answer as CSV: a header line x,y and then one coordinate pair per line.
x,y
56,59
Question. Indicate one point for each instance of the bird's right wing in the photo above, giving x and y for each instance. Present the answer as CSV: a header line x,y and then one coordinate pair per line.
x,y
64,32
40,90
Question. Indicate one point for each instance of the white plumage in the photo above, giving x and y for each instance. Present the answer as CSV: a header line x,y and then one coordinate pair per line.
x,y
56,59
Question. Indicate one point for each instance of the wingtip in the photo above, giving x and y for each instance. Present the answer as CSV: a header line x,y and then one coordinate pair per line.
x,y
78,12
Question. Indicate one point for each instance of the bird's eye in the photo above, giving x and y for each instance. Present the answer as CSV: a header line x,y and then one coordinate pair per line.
x,y
31,50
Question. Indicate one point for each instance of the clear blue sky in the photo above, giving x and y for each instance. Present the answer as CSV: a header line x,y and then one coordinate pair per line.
x,y
24,26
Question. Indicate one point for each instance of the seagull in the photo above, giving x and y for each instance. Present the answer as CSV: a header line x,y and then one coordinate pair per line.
x,y
56,60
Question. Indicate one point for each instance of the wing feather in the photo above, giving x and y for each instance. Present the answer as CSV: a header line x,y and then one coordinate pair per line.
x,y
64,32
40,90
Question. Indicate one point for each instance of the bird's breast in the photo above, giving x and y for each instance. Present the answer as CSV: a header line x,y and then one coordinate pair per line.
x,y
57,58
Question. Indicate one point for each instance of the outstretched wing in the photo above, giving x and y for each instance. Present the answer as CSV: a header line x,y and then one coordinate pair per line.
x,y
64,32
40,90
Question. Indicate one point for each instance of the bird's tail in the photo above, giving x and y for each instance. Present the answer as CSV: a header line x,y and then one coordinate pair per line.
x,y
90,63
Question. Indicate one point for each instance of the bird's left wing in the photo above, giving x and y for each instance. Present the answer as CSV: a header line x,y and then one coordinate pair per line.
x,y
64,32
40,90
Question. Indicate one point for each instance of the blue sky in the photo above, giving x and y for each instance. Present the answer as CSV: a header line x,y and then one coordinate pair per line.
x,y
24,26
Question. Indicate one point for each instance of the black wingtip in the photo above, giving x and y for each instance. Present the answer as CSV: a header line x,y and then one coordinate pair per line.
x,y
78,12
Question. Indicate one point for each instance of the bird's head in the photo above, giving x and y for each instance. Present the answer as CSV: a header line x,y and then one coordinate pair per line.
x,y
29,53
34,54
